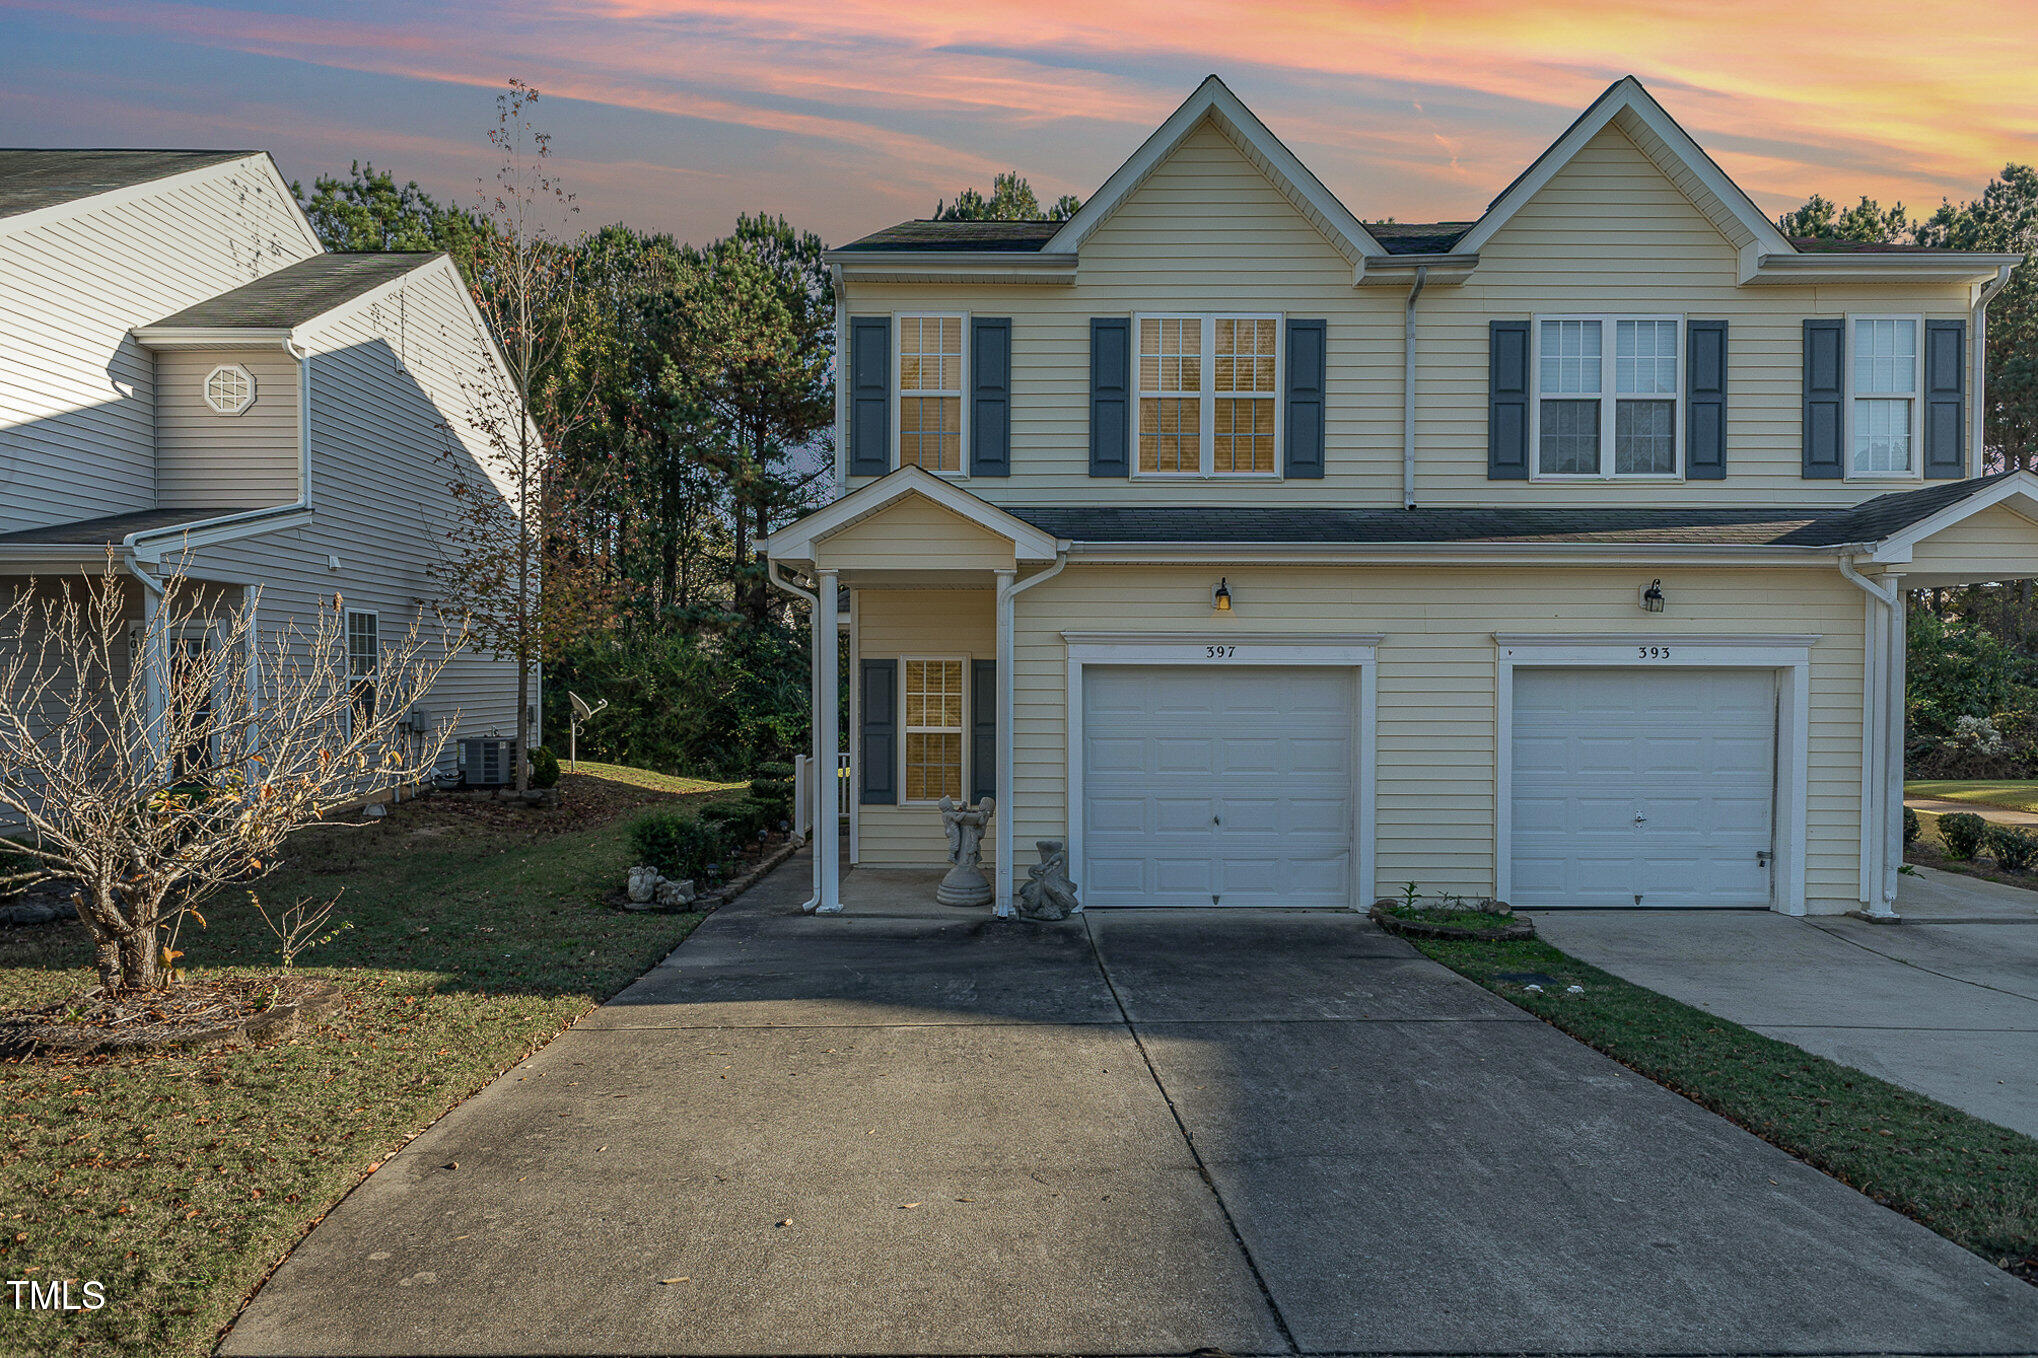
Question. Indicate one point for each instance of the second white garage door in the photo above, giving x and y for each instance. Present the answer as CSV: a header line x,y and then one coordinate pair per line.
x,y
1209,785
1643,787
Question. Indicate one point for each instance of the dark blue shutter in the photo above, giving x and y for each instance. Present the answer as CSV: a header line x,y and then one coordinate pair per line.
x,y
878,760
1507,400
870,395
1303,455
1825,363
983,730
1705,401
1945,399
990,400
1110,395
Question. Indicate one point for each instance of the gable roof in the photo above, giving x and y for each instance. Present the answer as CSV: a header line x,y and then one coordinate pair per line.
x,y
295,294
32,179
795,541
1215,101
1665,139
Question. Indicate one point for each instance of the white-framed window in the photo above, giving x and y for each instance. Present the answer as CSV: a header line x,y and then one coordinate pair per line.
x,y
930,414
364,658
934,749
1885,380
190,697
1208,388
1609,395
229,389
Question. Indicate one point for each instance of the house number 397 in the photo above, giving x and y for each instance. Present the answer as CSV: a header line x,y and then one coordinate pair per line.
x,y
1652,652
1219,652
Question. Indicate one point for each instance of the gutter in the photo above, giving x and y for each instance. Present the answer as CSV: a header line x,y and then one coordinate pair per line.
x,y
1451,553
1408,390
823,768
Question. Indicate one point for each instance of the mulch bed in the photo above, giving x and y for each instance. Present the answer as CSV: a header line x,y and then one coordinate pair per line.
x,y
196,1015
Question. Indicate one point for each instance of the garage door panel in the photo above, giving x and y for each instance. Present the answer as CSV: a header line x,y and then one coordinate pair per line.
x,y
1691,752
1243,780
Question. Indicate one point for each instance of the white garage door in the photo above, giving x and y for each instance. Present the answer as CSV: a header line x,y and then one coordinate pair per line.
x,y
1218,786
1643,787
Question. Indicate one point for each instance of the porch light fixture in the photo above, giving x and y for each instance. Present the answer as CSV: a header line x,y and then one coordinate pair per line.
x,y
1652,597
1220,598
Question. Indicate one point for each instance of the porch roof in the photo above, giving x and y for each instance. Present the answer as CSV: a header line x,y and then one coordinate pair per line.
x,y
109,530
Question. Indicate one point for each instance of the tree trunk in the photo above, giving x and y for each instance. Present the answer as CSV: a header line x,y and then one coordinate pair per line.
x,y
140,967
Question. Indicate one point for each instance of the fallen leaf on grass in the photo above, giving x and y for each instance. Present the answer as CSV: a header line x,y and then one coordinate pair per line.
x,y
787,1222
907,1206
667,1282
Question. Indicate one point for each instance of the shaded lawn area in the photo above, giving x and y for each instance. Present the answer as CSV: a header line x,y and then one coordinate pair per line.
x,y
177,1181
1971,1181
2013,794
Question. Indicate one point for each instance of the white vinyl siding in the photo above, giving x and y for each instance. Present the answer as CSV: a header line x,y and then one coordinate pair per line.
x,y
206,460
1885,371
78,397
1607,394
1610,234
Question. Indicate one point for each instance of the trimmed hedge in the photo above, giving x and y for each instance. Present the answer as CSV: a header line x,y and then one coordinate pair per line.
x,y
1963,832
2013,848
772,789
741,818
544,767
679,845
1911,827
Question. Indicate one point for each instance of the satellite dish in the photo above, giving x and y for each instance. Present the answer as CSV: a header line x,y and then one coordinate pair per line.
x,y
581,712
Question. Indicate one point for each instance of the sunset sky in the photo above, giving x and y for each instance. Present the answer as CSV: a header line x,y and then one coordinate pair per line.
x,y
847,115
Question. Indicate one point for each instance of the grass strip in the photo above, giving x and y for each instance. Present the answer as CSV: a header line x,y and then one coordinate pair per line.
x,y
177,1181
1970,1180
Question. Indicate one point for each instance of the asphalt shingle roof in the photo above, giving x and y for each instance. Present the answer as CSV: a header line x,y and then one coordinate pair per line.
x,y
1418,238
33,179
1399,238
298,292
1782,527
107,531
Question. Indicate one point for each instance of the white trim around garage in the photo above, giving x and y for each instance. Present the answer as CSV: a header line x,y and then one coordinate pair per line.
x,y
1788,656
1357,651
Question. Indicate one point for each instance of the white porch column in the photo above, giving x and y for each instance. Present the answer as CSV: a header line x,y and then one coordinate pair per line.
x,y
828,804
1002,898
1893,772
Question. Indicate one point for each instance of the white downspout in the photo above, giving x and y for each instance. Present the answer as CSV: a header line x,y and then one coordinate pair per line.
x,y
1010,588
1978,331
1878,891
823,769
1408,390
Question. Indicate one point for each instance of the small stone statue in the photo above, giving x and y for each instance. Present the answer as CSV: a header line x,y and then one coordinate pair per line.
x,y
643,884
1048,893
964,825
650,890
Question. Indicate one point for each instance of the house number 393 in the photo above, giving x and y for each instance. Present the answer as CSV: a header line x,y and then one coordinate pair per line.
x,y
1652,652
1219,652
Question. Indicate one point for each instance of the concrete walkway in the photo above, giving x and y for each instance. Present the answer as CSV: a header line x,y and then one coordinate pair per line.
x,y
1945,1003
1140,1133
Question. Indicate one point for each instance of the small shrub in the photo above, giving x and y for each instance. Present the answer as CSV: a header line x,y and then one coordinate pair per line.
x,y
2013,849
1963,832
740,817
772,789
1911,827
544,767
677,844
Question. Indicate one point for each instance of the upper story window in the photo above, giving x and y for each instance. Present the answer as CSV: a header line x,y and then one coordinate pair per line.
x,y
1885,374
1607,394
229,389
930,392
1207,396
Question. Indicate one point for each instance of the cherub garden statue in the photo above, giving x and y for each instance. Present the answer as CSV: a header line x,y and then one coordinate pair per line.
x,y
964,825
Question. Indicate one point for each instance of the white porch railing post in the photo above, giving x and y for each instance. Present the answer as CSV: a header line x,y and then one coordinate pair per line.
x,y
803,769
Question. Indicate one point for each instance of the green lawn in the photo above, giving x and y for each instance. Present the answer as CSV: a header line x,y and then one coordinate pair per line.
x,y
177,1181
2015,794
1971,1181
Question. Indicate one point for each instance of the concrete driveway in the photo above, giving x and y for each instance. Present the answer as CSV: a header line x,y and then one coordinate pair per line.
x,y
1142,1132
1945,1003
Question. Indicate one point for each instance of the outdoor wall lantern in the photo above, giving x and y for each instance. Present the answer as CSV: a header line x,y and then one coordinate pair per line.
x,y
1220,598
1652,597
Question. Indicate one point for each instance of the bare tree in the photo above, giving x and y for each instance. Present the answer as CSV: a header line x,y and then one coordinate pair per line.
x,y
514,571
157,762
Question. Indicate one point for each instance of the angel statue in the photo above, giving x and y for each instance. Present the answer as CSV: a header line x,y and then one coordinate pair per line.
x,y
964,825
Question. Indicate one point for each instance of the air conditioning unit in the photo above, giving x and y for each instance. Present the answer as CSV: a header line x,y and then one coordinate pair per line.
x,y
485,762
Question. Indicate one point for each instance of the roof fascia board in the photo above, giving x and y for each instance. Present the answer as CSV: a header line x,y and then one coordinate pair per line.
x,y
191,537
795,542
1445,553
2019,485
1856,267
953,266
210,336
1214,97
1393,270
1626,94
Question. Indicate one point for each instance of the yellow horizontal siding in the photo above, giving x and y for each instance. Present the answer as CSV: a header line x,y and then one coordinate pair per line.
x,y
914,533
1995,544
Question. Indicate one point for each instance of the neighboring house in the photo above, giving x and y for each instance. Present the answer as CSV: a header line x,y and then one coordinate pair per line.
x,y
187,378
1271,557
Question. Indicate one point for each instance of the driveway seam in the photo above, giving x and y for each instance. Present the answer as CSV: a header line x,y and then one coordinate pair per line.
x,y
1900,961
1189,1143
